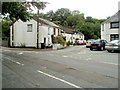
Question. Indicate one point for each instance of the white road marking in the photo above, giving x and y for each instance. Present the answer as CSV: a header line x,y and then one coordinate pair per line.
x,y
89,59
71,84
22,64
20,53
18,62
45,67
15,61
64,56
110,63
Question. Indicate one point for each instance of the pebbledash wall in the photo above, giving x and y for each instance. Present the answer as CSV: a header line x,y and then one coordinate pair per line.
x,y
110,28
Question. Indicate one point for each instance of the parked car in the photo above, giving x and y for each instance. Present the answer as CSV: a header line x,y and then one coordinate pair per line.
x,y
88,43
80,42
113,46
98,44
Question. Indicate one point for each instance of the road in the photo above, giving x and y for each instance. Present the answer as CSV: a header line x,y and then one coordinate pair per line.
x,y
73,67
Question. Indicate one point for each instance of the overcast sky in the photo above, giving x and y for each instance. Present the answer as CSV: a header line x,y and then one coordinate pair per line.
x,y
99,9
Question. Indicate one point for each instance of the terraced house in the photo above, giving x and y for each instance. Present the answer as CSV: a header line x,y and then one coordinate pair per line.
x,y
25,33
110,28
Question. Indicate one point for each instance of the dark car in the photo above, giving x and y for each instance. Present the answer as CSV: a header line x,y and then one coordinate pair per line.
x,y
98,44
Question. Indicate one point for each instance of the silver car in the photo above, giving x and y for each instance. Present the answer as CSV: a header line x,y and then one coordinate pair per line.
x,y
113,46
88,43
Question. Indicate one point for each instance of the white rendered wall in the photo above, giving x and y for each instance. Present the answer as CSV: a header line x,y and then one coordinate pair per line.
x,y
22,37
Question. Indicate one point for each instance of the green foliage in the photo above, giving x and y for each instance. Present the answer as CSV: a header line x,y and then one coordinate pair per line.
x,y
90,30
22,45
15,10
12,11
59,40
19,10
75,12
89,26
5,28
57,22
75,20
69,43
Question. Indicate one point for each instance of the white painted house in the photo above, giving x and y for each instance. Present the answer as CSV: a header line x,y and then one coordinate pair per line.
x,y
25,33
110,28
72,35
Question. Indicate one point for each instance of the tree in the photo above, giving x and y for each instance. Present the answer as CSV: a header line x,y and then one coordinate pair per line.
x,y
75,12
61,15
5,28
89,26
12,11
74,20
89,19
19,10
57,22
15,10
50,15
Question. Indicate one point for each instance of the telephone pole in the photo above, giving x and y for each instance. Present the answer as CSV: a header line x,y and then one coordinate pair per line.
x,y
38,29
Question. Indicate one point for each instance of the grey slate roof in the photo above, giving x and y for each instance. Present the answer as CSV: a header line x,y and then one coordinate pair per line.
x,y
114,18
70,31
44,21
67,30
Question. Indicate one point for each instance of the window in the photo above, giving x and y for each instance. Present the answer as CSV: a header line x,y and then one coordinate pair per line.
x,y
114,24
102,27
54,31
29,28
48,31
114,37
58,31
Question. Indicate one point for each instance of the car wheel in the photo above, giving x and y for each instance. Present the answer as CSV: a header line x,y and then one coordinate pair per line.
x,y
102,48
109,50
91,49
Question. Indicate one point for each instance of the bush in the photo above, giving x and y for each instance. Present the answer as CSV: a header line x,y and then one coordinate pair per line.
x,y
22,45
69,43
59,40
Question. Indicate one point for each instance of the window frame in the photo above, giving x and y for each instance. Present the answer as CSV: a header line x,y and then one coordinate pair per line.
x,y
28,28
103,27
54,31
114,23
48,30
114,37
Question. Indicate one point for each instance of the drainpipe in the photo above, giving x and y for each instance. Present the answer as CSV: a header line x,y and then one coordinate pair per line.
x,y
12,33
38,30
119,19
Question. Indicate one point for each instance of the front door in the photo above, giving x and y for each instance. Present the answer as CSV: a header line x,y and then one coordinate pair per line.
x,y
45,41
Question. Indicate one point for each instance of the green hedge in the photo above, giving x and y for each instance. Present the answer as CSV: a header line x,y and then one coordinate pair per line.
x,y
59,40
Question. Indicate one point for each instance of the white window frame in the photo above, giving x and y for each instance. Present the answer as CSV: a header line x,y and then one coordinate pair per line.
x,y
29,27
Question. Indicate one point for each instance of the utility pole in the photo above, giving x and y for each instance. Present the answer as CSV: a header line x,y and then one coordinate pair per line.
x,y
38,29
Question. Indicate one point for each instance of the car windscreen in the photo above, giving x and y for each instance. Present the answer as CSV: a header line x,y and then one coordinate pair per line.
x,y
90,40
96,41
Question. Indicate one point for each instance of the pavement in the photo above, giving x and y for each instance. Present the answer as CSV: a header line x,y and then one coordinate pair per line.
x,y
26,49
